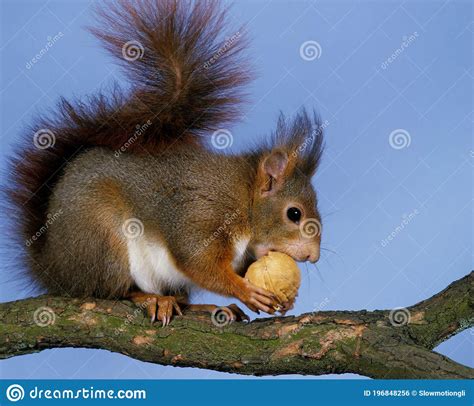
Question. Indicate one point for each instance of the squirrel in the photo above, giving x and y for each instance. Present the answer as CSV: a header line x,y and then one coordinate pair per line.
x,y
127,198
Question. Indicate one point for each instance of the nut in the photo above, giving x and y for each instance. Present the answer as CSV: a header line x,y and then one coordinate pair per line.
x,y
278,273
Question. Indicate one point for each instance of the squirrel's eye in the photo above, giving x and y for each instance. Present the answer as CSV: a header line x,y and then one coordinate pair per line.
x,y
294,214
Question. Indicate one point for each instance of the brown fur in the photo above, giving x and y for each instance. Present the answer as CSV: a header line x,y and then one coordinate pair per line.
x,y
110,211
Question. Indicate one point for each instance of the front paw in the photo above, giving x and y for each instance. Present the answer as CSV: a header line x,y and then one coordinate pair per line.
x,y
259,299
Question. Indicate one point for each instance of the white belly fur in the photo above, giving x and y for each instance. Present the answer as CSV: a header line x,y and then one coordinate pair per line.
x,y
240,246
153,268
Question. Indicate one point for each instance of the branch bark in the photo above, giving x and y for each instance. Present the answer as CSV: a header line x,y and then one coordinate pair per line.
x,y
391,344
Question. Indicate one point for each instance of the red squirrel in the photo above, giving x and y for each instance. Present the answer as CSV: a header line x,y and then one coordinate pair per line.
x,y
128,198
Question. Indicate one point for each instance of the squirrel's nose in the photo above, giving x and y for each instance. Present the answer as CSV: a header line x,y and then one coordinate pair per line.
x,y
313,257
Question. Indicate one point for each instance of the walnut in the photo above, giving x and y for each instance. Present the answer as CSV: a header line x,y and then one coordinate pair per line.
x,y
277,273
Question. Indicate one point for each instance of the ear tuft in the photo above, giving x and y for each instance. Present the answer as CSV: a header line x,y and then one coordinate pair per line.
x,y
303,138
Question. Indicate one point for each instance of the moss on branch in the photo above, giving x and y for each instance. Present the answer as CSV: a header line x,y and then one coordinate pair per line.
x,y
378,344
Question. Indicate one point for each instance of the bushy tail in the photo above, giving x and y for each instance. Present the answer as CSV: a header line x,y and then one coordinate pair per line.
x,y
186,77
185,81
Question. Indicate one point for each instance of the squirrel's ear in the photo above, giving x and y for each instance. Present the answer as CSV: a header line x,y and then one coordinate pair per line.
x,y
272,172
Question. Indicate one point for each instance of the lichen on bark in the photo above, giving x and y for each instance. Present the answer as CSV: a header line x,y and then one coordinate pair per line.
x,y
369,343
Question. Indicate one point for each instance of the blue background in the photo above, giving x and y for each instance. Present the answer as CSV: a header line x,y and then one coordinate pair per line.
x,y
365,186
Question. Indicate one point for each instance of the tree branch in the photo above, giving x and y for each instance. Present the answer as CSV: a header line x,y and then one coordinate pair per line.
x,y
444,314
378,344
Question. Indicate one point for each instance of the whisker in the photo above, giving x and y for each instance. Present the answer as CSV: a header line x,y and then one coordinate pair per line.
x,y
330,213
333,252
329,250
320,275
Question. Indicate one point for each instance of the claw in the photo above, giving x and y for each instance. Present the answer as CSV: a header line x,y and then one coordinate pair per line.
x,y
237,312
167,305
160,308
